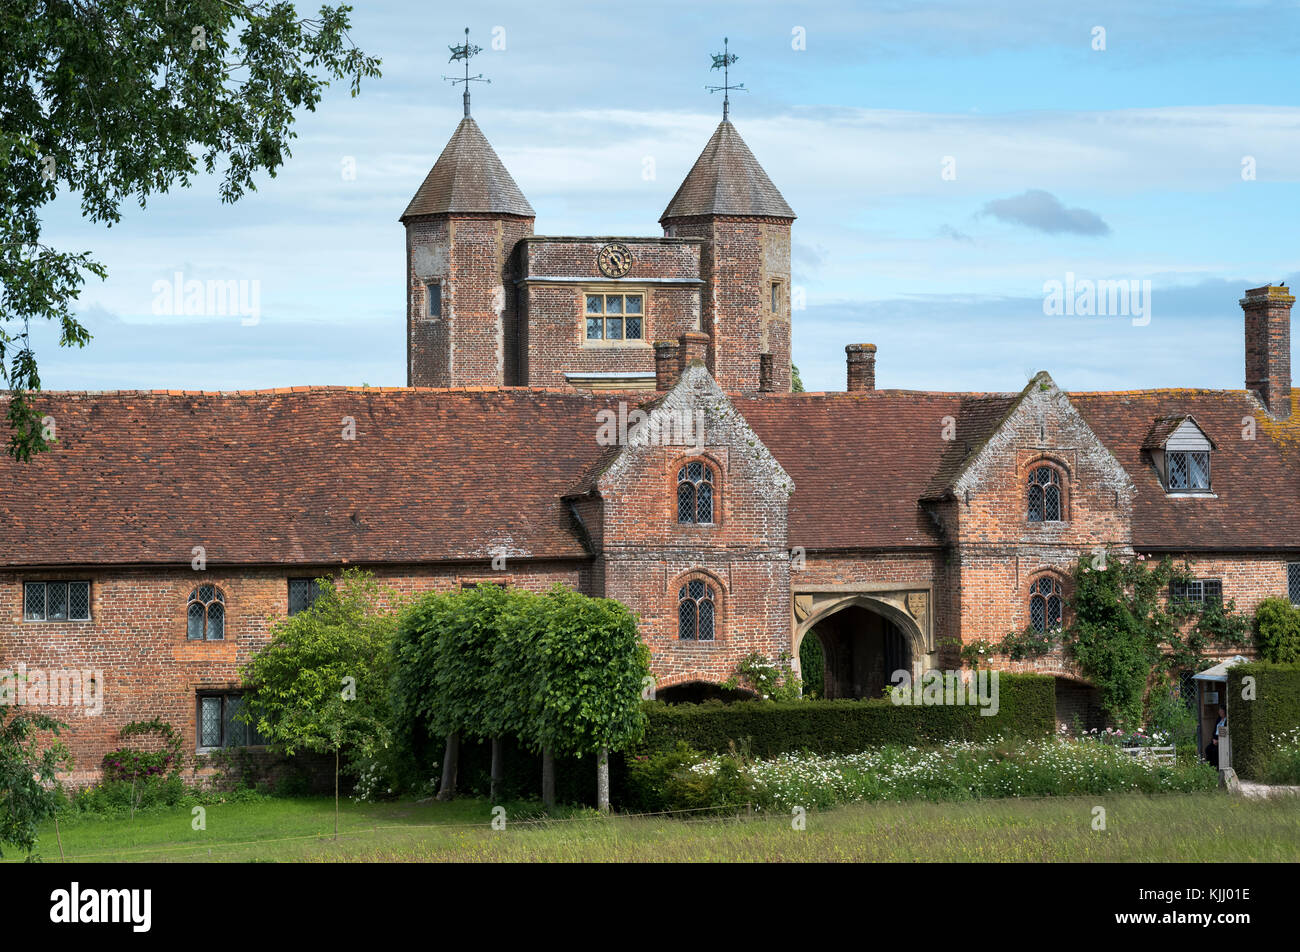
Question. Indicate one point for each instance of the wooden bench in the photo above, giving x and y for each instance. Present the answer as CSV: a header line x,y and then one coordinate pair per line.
x,y
1166,754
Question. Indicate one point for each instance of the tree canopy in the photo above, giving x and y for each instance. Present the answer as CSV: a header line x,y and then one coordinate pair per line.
x,y
123,99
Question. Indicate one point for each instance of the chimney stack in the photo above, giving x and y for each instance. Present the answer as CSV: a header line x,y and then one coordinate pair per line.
x,y
862,367
694,347
667,364
1268,346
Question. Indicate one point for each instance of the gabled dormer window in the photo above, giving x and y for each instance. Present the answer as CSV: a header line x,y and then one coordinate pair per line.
x,y
1180,451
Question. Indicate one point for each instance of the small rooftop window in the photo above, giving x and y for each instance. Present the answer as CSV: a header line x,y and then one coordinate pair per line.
x,y
1180,451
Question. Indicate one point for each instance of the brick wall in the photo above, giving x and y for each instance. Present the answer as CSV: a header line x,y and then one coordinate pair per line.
x,y
137,637
648,555
997,550
666,271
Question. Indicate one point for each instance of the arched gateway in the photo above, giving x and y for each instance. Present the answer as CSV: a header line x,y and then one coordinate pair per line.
x,y
864,638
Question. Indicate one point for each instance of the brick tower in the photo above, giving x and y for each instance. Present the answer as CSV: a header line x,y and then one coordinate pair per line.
x,y
728,199
461,230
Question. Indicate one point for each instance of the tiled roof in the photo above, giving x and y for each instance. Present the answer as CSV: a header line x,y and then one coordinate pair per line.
x,y
727,180
468,177
1164,427
266,476
859,461
1256,485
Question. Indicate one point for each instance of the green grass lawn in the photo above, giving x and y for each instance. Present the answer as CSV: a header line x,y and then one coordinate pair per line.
x,y
1172,827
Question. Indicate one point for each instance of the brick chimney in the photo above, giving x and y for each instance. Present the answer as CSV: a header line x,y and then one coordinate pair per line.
x,y
765,382
862,367
694,346
667,364
1268,346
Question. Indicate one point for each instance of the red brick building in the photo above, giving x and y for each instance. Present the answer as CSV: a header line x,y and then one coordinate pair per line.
x,y
614,414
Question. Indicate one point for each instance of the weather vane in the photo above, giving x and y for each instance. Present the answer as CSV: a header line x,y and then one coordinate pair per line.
x,y
464,52
723,62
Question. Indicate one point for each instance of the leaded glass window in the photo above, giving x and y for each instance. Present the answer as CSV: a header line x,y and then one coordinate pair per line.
x,y
695,611
303,592
1293,582
205,614
614,317
56,601
219,724
1045,604
1197,591
1188,470
1044,495
695,493
210,721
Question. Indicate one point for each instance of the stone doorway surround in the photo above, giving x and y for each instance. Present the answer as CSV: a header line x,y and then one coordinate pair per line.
x,y
910,607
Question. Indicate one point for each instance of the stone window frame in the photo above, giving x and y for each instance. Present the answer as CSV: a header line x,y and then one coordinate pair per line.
x,y
1033,592
717,470
620,291
1062,482
218,598
223,695
719,600
45,618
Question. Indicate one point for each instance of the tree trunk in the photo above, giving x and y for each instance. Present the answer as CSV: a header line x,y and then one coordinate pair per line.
x,y
602,780
548,778
336,793
498,768
450,764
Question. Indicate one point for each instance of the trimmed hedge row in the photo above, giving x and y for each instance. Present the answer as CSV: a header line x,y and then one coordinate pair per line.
x,y
1251,724
1026,708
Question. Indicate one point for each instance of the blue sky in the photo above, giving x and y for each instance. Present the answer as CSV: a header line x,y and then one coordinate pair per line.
x,y
1117,164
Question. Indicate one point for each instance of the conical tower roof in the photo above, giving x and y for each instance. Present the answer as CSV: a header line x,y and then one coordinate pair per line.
x,y
727,180
468,177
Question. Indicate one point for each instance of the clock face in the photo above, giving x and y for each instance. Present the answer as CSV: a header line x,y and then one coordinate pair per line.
x,y
614,261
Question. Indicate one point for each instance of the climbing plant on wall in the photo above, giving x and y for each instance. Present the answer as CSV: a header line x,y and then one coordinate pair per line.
x,y
1126,631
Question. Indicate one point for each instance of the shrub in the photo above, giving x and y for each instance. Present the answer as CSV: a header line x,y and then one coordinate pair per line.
x,y
812,665
1173,717
1283,765
770,680
128,763
648,776
115,798
1277,631
1255,725
1027,708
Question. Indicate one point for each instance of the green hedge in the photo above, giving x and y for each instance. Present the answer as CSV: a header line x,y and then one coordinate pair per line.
x,y
1276,709
1026,708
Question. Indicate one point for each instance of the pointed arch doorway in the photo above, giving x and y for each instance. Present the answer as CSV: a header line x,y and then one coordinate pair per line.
x,y
862,642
